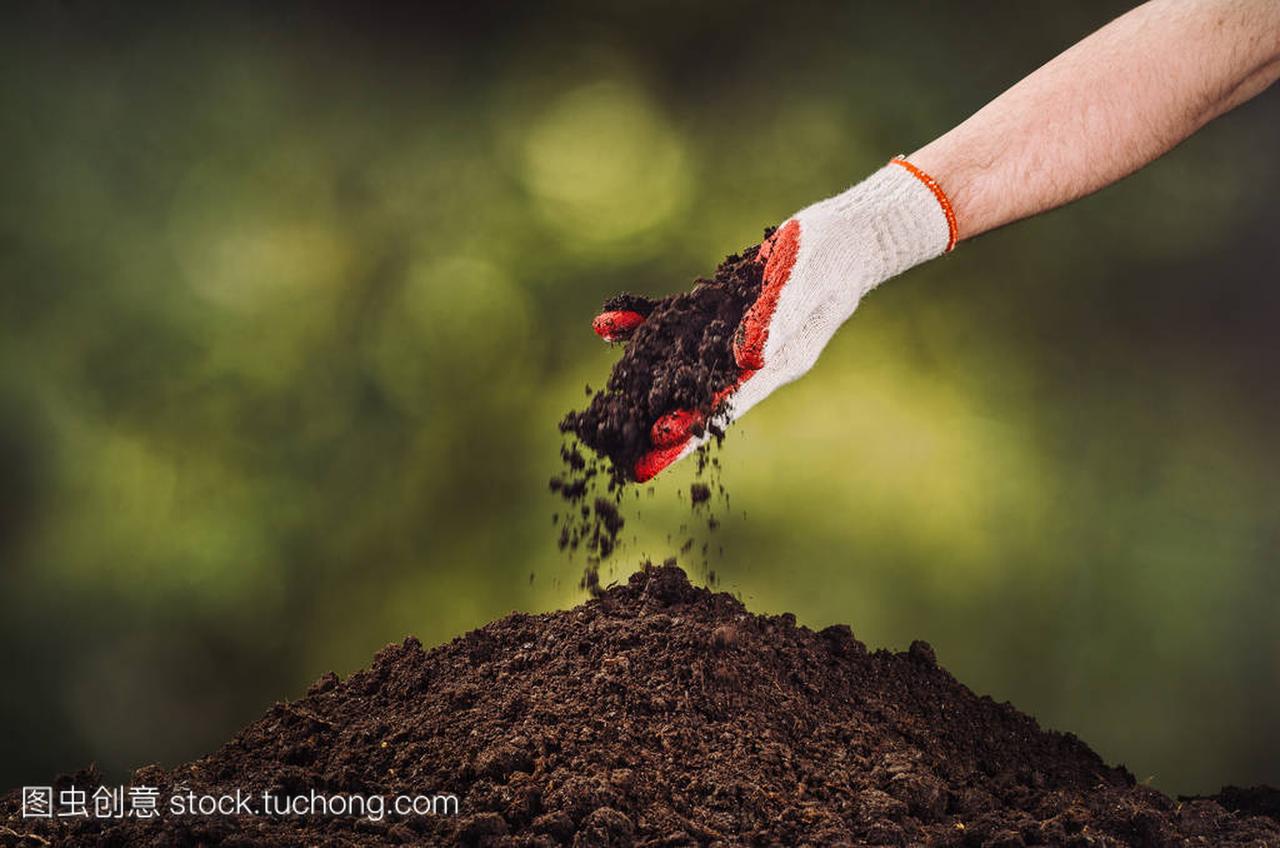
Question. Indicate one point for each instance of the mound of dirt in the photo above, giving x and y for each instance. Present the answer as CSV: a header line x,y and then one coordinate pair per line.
x,y
660,714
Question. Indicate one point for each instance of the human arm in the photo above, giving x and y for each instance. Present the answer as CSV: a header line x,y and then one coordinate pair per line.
x,y
1104,108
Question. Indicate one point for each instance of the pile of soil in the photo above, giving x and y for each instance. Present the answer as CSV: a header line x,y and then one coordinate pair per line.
x,y
660,714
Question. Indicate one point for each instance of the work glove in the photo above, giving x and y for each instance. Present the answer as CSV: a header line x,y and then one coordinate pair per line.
x,y
817,267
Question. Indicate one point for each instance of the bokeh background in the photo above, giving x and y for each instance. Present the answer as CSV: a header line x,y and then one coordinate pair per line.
x,y
292,298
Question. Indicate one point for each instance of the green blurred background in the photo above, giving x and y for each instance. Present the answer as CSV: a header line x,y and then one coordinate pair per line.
x,y
292,298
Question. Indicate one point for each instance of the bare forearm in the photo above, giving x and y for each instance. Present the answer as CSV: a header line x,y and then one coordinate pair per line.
x,y
1105,108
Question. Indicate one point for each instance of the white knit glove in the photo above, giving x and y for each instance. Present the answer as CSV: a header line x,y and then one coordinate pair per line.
x,y
818,266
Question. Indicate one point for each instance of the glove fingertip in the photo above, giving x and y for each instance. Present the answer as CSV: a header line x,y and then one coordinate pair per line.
x,y
655,461
616,324
674,427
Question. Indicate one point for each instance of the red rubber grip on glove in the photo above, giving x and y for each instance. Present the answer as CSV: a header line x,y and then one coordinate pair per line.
x,y
648,466
616,324
672,432
779,255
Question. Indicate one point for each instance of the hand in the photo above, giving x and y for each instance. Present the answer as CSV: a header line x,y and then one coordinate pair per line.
x,y
817,267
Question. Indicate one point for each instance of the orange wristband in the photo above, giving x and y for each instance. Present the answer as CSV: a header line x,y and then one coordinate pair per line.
x,y
930,183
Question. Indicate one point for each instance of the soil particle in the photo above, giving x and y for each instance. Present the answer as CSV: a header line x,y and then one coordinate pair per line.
x,y
660,714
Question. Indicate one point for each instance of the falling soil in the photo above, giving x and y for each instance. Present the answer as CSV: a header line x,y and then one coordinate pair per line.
x,y
681,357
660,714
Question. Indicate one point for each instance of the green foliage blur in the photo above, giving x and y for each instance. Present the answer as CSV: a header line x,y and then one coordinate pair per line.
x,y
292,298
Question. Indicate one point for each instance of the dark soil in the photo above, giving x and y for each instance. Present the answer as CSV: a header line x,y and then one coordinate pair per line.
x,y
664,715
679,358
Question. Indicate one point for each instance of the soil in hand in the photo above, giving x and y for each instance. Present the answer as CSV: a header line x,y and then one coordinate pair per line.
x,y
679,358
660,714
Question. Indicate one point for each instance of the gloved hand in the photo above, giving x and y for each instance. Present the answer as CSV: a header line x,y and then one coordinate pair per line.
x,y
818,266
